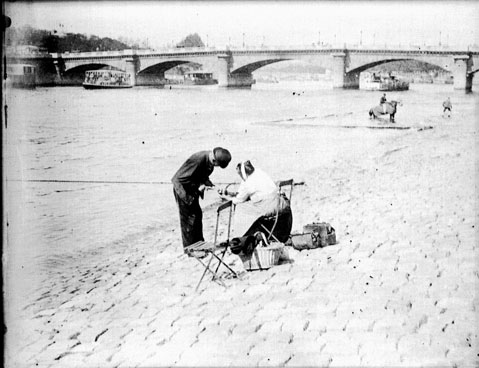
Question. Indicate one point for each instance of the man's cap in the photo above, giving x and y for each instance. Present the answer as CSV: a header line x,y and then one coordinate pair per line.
x,y
222,156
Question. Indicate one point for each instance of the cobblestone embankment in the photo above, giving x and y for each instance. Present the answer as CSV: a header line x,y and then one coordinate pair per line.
x,y
400,288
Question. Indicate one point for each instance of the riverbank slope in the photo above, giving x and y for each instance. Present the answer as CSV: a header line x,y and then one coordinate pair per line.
x,y
399,289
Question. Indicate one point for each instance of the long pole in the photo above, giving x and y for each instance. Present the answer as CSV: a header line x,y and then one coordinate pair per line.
x,y
110,181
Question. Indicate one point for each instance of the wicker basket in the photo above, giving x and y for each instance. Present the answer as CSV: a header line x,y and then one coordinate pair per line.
x,y
262,257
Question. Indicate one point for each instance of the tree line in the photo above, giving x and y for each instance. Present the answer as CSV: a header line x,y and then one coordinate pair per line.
x,y
54,41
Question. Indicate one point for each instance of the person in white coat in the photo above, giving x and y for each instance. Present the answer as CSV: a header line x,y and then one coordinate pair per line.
x,y
257,196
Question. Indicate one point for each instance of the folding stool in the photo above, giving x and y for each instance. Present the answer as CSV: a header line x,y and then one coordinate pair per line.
x,y
215,249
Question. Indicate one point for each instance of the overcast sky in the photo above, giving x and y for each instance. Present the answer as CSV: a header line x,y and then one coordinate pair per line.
x,y
455,23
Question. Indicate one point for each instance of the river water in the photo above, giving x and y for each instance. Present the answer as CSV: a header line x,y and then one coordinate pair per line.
x,y
144,134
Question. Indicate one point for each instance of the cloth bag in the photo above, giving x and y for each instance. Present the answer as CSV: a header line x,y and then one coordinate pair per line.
x,y
315,235
302,241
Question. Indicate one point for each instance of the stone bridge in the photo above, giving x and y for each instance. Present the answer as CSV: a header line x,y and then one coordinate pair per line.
x,y
234,67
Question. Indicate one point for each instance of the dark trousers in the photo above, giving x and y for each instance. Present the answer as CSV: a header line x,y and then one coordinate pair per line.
x,y
191,221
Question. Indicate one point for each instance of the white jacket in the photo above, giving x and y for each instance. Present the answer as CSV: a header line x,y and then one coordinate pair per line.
x,y
256,187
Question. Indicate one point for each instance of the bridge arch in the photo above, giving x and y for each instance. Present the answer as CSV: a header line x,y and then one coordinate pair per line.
x,y
153,74
81,69
385,61
365,67
352,76
76,74
249,68
161,68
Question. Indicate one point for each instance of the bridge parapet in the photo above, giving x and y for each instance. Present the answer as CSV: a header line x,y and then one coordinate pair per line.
x,y
256,49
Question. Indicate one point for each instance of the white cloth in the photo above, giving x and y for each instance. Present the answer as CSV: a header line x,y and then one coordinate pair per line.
x,y
248,212
256,188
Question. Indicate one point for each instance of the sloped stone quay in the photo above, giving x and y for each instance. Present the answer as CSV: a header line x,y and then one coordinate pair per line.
x,y
399,289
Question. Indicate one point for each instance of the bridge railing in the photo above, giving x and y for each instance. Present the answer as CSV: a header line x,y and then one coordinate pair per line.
x,y
312,47
355,46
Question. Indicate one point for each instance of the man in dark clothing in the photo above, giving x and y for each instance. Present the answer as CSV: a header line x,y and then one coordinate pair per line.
x,y
189,184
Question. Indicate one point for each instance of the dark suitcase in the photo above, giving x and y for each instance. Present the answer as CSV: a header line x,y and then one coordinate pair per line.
x,y
327,234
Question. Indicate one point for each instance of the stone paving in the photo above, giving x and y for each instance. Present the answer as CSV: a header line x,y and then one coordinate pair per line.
x,y
400,288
